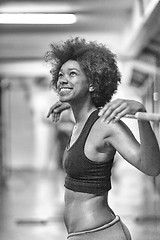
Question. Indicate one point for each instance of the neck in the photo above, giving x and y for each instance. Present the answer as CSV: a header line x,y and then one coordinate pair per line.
x,y
81,113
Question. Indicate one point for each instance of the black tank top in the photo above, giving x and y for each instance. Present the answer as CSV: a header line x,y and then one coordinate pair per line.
x,y
83,174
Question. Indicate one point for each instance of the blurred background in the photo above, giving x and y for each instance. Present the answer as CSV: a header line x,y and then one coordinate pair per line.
x,y
31,146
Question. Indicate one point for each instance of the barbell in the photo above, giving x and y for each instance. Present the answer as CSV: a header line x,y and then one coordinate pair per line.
x,y
155,117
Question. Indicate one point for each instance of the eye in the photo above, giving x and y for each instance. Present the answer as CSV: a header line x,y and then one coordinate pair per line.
x,y
60,74
73,73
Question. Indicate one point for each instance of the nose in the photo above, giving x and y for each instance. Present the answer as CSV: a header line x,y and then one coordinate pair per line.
x,y
62,80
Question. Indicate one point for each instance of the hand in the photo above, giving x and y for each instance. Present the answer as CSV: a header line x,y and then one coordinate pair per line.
x,y
118,108
56,110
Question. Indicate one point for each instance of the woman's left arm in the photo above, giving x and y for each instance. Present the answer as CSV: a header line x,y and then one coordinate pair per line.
x,y
149,148
150,154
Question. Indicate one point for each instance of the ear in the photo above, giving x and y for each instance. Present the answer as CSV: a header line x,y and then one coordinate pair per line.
x,y
91,88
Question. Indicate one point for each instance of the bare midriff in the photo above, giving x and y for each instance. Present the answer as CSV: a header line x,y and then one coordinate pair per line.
x,y
85,211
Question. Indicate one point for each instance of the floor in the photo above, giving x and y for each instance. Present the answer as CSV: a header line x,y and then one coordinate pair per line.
x,y
31,207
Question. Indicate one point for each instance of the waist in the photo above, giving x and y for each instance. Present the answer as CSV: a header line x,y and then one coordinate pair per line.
x,y
86,211
103,227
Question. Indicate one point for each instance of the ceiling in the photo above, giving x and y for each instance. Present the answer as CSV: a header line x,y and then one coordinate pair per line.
x,y
92,15
97,20
129,27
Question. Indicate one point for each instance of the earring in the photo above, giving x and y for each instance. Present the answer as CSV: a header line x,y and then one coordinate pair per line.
x,y
91,88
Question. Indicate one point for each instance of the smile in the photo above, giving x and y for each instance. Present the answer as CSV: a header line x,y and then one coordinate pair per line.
x,y
64,91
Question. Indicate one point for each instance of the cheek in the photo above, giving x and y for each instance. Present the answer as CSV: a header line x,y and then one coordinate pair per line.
x,y
85,85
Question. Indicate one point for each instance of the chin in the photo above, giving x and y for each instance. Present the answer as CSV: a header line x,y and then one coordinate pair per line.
x,y
64,99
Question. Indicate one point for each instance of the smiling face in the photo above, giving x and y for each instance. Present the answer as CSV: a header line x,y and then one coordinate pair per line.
x,y
72,82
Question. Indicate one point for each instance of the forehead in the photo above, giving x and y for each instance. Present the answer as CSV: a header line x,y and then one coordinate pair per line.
x,y
70,64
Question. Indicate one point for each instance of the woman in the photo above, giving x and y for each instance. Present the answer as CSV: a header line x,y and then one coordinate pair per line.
x,y
86,76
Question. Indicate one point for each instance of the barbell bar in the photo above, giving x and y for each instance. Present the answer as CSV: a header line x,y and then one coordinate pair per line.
x,y
155,117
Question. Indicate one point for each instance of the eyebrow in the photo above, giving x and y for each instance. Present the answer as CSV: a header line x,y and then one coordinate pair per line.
x,y
72,68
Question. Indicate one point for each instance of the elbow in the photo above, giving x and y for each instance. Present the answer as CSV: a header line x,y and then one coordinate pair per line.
x,y
156,168
151,166
153,172
156,172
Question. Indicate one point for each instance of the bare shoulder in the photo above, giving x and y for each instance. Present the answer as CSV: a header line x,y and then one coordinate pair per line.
x,y
109,129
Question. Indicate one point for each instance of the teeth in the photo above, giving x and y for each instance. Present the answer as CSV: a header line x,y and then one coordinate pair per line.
x,y
64,89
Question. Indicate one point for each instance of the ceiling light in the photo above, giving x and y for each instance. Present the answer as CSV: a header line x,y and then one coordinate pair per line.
x,y
38,18
43,7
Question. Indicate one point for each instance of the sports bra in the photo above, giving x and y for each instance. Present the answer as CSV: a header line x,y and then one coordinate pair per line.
x,y
83,174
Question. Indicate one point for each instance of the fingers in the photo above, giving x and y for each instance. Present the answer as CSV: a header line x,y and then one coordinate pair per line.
x,y
55,117
53,108
114,110
56,110
119,116
53,112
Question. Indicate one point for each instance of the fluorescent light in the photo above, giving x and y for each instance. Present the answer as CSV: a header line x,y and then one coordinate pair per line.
x,y
38,18
29,7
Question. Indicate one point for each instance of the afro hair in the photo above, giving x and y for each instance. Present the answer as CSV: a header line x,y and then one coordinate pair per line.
x,y
96,60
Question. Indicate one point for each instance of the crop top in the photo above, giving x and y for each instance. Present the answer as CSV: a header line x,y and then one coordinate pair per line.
x,y
83,174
